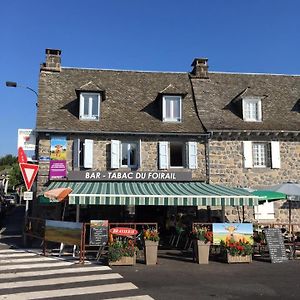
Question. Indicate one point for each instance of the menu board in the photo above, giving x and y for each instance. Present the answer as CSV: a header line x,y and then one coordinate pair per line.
x,y
98,232
276,245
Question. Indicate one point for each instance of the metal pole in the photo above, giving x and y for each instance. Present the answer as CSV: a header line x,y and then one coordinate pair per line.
x,y
25,220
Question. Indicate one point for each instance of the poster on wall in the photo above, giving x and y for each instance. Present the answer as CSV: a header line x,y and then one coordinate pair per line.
x,y
232,231
58,156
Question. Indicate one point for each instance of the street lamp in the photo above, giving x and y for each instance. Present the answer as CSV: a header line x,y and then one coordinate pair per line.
x,y
14,84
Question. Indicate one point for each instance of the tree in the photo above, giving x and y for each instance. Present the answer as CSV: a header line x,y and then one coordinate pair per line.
x,y
15,175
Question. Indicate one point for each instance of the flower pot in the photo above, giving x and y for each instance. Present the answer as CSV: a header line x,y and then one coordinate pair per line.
x,y
201,251
124,261
232,259
150,252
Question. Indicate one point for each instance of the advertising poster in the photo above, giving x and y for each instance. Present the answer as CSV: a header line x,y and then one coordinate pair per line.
x,y
58,148
26,139
58,156
58,169
232,231
63,232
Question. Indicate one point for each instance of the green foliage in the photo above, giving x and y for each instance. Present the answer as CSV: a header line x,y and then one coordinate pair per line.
x,y
15,176
8,160
120,248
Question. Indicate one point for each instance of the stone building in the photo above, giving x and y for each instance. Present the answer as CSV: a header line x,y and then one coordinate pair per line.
x,y
143,144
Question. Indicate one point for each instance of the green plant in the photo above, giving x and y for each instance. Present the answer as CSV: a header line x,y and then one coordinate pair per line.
x,y
201,233
151,234
119,248
235,248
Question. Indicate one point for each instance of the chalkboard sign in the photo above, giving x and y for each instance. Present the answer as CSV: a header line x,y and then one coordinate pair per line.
x,y
98,232
276,245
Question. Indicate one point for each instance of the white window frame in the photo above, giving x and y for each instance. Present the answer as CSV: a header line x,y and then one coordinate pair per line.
x,y
128,154
173,118
264,211
253,102
261,155
90,115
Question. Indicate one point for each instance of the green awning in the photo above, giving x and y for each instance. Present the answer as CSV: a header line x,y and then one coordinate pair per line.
x,y
268,195
155,193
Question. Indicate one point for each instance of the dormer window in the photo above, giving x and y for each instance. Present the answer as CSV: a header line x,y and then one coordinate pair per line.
x,y
172,109
89,106
252,109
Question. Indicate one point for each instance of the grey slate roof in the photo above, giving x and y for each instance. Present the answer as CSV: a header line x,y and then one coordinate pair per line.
x,y
131,102
216,101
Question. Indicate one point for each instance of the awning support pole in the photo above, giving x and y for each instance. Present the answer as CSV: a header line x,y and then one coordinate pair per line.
x,y
77,212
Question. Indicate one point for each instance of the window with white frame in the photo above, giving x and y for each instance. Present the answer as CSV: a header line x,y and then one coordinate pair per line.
x,y
125,154
177,155
252,109
83,154
264,211
129,155
172,109
89,106
261,154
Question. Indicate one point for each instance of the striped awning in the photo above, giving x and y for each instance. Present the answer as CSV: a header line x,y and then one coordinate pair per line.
x,y
155,193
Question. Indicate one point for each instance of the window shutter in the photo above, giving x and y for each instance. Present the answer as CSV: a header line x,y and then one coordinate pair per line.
x,y
192,155
115,154
163,155
88,153
140,153
259,111
248,161
76,154
275,155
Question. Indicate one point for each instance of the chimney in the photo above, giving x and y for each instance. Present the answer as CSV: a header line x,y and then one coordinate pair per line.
x,y
200,69
52,60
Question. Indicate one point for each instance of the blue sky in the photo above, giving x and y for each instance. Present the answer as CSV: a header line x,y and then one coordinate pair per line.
x,y
236,36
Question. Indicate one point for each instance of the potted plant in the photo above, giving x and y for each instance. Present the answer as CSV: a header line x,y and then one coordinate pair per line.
x,y
151,239
237,251
121,251
202,238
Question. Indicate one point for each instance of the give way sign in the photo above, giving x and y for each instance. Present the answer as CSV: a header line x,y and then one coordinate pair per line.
x,y
29,172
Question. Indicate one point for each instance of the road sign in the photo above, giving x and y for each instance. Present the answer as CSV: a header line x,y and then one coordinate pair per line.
x,y
28,195
29,172
22,158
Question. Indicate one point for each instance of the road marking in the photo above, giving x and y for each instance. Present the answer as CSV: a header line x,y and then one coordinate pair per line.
x,y
29,259
70,292
61,280
16,255
39,265
141,297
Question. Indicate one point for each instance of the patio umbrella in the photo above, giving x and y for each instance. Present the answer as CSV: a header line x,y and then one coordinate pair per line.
x,y
292,190
268,195
59,194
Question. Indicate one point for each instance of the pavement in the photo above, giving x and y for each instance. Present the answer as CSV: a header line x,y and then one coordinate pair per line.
x,y
177,277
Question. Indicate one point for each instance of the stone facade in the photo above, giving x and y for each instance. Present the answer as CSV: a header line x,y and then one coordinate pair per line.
x,y
226,167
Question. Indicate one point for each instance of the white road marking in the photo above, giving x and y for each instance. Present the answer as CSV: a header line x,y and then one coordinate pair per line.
x,y
32,266
61,280
19,254
29,259
54,272
70,292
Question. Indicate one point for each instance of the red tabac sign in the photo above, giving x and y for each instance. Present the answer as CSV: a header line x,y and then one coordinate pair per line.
x,y
22,158
29,172
123,231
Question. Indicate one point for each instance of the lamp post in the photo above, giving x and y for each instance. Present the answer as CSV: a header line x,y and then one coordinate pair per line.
x,y
15,85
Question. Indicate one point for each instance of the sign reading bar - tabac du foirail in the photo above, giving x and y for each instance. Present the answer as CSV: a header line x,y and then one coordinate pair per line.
x,y
128,176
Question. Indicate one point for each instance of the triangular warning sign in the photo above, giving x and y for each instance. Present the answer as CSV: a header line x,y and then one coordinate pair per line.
x,y
29,172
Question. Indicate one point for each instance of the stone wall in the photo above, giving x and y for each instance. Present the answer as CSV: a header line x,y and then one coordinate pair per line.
x,y
226,167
